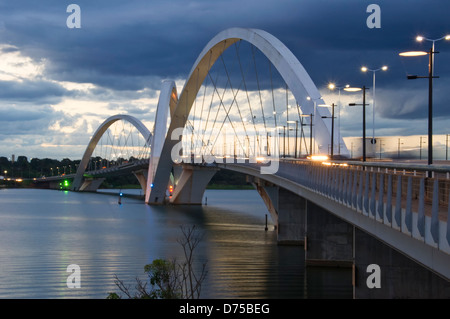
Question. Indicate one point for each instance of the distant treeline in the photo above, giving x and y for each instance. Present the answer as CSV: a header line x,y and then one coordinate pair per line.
x,y
21,167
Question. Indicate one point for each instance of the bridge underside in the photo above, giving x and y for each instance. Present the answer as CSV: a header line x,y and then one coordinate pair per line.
x,y
330,241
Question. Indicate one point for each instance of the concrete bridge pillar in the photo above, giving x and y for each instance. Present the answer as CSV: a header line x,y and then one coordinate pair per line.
x,y
91,184
287,210
191,184
141,176
382,272
329,239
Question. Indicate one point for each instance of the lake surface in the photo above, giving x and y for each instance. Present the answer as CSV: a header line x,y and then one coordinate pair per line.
x,y
44,231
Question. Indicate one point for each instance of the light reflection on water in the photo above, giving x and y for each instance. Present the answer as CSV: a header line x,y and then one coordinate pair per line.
x,y
44,231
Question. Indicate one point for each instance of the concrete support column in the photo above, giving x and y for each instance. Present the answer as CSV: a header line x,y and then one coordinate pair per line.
x,y
141,176
269,195
291,218
91,184
382,272
287,210
191,184
329,240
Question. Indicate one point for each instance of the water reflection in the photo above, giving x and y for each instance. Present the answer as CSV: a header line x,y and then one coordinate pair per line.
x,y
44,231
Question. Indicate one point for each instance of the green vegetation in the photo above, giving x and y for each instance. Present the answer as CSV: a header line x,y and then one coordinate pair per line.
x,y
23,168
35,168
225,179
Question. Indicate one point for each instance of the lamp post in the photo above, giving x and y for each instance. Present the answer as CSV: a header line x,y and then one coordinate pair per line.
x,y
314,114
296,136
302,133
365,69
433,41
420,149
430,77
310,130
332,126
446,147
364,117
332,86
398,147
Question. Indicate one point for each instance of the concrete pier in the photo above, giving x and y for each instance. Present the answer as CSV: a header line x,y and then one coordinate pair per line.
x,y
399,276
191,185
329,239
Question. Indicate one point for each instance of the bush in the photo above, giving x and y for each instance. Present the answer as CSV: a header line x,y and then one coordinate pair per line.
x,y
169,279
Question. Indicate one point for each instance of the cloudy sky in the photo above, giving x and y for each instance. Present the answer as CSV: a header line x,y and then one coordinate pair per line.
x,y
58,84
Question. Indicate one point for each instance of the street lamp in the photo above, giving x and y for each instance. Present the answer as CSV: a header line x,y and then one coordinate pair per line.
x,y
430,78
398,147
430,85
310,131
421,38
350,89
332,86
365,69
332,126
446,146
420,148
296,136
314,114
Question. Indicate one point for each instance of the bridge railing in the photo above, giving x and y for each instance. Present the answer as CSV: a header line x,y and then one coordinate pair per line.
x,y
398,195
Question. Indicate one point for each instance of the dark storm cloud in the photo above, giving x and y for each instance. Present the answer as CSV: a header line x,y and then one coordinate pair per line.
x,y
38,91
131,45
28,119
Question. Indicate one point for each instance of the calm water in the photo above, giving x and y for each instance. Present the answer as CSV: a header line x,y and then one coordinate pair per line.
x,y
44,231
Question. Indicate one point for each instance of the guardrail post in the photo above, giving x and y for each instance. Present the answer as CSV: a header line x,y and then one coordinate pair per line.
x,y
398,202
366,193
354,192
373,194
435,212
381,198
448,221
408,216
360,192
389,199
421,210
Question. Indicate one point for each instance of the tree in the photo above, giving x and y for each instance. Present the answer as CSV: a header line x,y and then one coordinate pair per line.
x,y
169,279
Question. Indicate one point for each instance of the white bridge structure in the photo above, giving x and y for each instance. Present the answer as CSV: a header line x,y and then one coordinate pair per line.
x,y
264,123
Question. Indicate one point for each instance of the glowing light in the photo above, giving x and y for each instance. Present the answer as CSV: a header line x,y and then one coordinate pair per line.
x,y
413,53
364,69
318,157
351,89
260,159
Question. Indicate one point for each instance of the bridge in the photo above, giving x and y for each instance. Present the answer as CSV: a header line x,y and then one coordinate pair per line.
x,y
249,106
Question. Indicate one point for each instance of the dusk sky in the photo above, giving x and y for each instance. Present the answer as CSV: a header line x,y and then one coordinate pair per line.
x,y
57,84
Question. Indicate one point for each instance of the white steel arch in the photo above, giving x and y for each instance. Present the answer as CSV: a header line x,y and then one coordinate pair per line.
x,y
78,180
284,61
167,102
